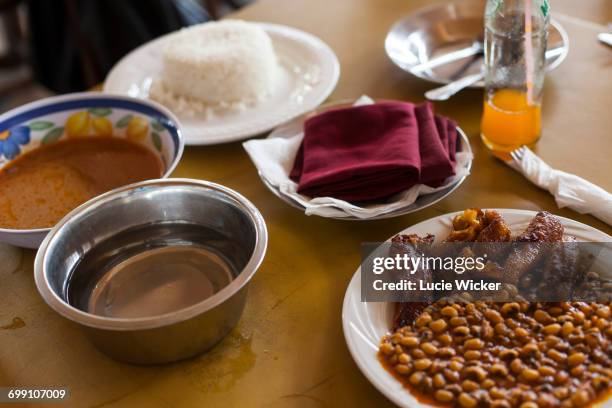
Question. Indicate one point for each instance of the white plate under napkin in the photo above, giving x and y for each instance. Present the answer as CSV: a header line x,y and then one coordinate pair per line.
x,y
274,158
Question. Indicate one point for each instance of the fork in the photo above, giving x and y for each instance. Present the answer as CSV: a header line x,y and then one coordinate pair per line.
x,y
518,154
516,162
444,92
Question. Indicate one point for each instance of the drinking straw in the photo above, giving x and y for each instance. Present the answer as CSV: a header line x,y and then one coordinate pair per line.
x,y
528,52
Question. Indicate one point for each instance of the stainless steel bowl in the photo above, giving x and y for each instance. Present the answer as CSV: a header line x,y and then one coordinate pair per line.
x,y
444,42
218,218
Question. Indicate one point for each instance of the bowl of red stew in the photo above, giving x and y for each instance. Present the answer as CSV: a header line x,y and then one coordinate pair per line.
x,y
59,152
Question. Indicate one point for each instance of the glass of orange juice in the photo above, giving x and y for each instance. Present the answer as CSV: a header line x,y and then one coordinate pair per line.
x,y
509,121
515,46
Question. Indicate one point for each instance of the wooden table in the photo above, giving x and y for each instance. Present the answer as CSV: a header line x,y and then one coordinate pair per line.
x,y
288,350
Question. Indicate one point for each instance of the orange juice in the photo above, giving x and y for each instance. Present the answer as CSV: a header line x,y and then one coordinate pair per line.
x,y
509,121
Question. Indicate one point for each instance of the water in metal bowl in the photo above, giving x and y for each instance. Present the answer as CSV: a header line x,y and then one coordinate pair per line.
x,y
178,267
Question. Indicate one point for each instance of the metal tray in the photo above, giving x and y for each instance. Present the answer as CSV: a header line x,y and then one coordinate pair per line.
x,y
443,42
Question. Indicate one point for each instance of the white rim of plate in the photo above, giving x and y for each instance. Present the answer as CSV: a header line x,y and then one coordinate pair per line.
x,y
360,334
233,129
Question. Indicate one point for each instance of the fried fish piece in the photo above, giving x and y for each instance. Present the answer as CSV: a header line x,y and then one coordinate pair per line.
x,y
564,273
407,312
412,242
488,228
543,228
495,232
476,225
495,228
467,226
561,271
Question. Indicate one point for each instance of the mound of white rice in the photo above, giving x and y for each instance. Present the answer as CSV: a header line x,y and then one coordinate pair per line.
x,y
228,61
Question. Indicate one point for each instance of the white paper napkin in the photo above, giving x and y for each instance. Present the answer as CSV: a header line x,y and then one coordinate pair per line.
x,y
273,157
568,189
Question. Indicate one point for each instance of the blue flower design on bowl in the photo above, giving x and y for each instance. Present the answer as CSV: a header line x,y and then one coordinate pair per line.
x,y
11,139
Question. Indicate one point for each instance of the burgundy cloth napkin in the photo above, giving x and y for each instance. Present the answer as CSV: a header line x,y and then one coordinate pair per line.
x,y
451,126
370,152
447,128
436,165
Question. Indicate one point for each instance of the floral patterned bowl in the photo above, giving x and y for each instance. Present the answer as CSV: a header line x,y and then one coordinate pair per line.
x,y
82,115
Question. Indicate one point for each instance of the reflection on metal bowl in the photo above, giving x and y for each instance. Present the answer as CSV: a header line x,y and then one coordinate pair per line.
x,y
156,271
444,42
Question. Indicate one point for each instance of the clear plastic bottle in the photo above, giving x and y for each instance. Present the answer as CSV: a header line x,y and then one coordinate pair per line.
x,y
516,33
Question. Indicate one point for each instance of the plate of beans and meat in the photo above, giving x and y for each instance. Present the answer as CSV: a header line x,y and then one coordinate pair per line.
x,y
502,353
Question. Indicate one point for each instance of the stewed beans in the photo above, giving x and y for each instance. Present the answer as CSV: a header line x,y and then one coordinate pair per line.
x,y
505,355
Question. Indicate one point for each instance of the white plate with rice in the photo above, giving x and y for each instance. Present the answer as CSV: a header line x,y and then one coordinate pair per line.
x,y
309,71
